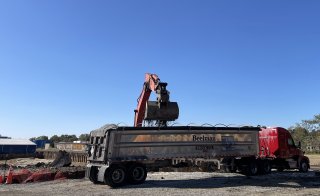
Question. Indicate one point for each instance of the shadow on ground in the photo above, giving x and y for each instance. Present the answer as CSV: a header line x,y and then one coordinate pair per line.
x,y
281,180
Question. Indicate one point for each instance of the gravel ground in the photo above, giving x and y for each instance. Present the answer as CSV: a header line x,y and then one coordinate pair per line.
x,y
178,183
182,183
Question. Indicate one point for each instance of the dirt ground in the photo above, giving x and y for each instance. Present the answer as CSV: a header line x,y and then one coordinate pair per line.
x,y
182,183
314,159
185,183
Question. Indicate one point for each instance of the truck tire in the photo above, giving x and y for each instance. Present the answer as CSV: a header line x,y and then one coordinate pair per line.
x,y
264,167
115,176
228,165
211,167
137,173
280,169
93,175
252,169
304,167
228,169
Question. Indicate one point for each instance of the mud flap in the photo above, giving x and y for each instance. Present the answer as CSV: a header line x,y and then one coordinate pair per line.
x,y
102,171
88,171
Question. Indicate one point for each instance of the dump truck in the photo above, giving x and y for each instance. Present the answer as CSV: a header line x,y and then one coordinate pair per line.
x,y
118,155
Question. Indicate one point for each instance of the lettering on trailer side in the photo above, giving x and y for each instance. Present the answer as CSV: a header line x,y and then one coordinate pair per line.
x,y
204,138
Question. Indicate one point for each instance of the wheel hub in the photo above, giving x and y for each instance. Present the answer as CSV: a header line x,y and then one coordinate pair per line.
x,y
138,173
117,175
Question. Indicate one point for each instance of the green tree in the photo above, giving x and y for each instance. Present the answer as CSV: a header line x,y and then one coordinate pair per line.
x,y
299,134
68,138
84,137
308,132
313,124
54,139
43,137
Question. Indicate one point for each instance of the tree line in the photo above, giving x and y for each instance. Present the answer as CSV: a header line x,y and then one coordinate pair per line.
x,y
308,133
63,138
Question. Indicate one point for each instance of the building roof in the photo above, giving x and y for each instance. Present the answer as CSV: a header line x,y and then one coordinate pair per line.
x,y
16,142
2,136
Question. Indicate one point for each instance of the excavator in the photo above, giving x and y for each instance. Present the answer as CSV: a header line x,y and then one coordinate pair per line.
x,y
157,112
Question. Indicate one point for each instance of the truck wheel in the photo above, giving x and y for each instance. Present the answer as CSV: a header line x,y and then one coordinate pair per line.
x,y
303,166
280,168
228,165
137,174
211,167
115,176
252,169
265,167
228,169
93,175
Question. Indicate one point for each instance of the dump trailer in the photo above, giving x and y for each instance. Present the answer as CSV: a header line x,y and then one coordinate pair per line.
x,y
120,155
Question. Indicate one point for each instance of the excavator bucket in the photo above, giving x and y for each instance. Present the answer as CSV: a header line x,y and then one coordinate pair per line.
x,y
170,112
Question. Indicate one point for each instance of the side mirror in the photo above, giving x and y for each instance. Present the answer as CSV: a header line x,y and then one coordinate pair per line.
x,y
299,144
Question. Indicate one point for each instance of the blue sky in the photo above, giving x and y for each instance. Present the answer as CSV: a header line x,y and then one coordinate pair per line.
x,y
68,67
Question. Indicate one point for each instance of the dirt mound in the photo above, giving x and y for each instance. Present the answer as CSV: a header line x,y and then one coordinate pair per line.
x,y
63,159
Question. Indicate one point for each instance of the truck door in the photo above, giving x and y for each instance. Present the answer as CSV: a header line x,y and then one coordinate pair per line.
x,y
283,145
291,146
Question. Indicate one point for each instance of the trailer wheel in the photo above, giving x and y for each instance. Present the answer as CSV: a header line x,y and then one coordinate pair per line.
x,y
228,169
115,176
280,168
228,165
137,173
265,167
211,167
252,169
303,166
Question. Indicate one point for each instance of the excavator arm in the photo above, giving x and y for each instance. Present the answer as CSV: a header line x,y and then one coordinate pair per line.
x,y
150,84
161,110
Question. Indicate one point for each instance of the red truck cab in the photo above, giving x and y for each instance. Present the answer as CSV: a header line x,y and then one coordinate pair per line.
x,y
277,145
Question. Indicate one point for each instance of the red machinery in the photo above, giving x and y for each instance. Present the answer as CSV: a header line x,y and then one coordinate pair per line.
x,y
277,145
161,110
